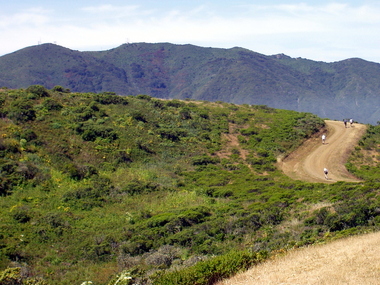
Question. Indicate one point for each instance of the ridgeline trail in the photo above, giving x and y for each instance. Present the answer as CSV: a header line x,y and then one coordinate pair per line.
x,y
352,260
308,161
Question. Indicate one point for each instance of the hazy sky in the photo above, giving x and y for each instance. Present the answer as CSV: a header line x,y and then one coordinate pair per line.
x,y
318,30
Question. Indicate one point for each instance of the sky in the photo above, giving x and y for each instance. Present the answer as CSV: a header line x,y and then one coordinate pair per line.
x,y
326,31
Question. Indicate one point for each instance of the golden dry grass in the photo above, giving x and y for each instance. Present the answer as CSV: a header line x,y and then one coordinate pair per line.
x,y
353,261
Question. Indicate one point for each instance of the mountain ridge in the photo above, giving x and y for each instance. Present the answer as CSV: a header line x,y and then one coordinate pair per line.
x,y
337,90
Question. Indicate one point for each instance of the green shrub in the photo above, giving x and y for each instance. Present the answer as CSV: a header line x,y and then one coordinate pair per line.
x,y
51,104
14,276
11,276
250,131
172,134
22,111
212,270
175,103
136,187
60,89
14,174
144,97
108,98
86,198
38,91
22,214
138,116
91,131
204,160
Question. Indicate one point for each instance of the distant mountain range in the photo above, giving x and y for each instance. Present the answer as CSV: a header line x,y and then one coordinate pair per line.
x,y
344,89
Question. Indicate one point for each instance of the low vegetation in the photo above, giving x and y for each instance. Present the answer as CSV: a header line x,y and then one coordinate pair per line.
x,y
104,189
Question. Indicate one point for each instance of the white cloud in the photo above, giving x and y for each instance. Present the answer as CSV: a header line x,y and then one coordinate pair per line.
x,y
321,32
111,10
101,9
34,17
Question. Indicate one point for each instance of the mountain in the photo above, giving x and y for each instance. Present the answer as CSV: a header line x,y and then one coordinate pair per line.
x,y
348,88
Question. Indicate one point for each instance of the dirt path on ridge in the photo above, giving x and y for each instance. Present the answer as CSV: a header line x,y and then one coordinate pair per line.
x,y
353,260
308,161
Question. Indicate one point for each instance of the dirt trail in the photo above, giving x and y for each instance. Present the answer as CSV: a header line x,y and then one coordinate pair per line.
x,y
353,260
308,161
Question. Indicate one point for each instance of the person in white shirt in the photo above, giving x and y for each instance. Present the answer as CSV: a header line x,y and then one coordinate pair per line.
x,y
323,139
325,171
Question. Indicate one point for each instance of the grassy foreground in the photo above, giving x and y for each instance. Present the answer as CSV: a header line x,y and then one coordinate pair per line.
x,y
353,260
120,190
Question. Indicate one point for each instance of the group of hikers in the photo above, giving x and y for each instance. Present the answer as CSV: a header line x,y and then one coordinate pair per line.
x,y
345,121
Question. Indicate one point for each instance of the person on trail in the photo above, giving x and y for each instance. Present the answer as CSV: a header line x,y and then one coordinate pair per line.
x,y
323,139
351,122
345,123
325,171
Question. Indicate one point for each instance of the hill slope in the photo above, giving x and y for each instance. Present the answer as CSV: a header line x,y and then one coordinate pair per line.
x,y
338,90
354,260
96,185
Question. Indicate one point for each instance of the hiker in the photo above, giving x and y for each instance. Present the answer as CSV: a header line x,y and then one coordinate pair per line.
x,y
351,122
345,123
325,171
323,139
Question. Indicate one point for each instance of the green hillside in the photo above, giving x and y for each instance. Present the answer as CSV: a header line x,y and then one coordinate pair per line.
x,y
337,90
121,190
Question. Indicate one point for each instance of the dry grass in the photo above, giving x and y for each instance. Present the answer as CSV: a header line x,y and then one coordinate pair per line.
x,y
354,260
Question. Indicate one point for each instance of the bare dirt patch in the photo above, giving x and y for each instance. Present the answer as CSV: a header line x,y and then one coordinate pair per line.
x,y
231,142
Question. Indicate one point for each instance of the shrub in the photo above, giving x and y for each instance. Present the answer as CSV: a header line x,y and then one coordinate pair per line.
x,y
138,116
172,134
205,159
138,245
144,97
349,215
26,134
13,173
11,276
135,187
250,131
38,91
79,172
175,103
21,110
164,256
185,113
51,104
86,198
212,270
90,132
108,98
21,214
60,89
